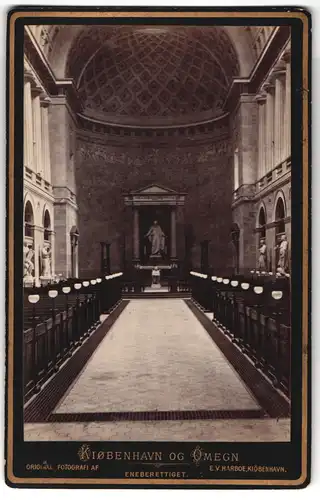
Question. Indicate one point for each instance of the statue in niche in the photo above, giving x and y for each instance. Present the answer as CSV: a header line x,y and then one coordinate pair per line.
x,y
46,262
282,265
262,261
28,254
156,237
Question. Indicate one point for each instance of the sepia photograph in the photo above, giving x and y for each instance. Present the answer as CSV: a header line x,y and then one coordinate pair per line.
x,y
158,252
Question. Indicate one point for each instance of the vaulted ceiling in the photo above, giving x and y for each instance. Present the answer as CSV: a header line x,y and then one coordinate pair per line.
x,y
144,75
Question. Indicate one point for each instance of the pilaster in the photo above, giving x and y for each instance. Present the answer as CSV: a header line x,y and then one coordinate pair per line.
x,y
261,100
44,103
248,151
269,89
28,122
63,182
287,106
37,133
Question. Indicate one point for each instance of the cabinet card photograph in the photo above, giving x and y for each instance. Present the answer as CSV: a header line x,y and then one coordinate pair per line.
x,y
158,247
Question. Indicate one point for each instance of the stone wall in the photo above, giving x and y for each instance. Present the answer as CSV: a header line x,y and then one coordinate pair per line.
x,y
106,172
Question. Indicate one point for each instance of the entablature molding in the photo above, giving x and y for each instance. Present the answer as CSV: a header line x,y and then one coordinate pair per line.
x,y
154,195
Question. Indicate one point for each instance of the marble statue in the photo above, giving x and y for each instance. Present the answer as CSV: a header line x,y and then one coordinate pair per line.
x,y
157,239
46,262
283,255
28,254
262,261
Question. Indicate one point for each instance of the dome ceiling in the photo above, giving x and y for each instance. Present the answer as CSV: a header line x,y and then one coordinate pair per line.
x,y
153,75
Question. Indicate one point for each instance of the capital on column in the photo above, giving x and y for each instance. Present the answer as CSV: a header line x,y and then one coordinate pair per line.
x,y
268,87
28,77
260,99
36,90
286,56
45,101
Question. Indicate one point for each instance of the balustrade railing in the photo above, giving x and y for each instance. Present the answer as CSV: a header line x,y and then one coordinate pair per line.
x,y
58,319
254,312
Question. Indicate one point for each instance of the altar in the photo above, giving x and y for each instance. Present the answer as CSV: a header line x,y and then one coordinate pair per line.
x,y
154,228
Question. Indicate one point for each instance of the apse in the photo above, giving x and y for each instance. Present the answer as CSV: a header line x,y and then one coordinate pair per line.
x,y
152,113
148,75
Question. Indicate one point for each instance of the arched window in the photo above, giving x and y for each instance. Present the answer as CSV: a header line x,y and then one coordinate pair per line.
x,y
47,226
28,220
262,223
280,216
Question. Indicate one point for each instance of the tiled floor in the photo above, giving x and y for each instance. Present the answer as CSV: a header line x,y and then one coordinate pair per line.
x,y
157,356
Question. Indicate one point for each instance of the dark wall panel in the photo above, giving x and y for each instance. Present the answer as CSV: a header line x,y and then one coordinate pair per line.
x,y
105,173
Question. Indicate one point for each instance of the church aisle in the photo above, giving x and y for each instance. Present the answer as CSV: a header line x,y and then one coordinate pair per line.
x,y
157,356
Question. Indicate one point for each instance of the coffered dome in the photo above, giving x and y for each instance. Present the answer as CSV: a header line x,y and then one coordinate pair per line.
x,y
153,75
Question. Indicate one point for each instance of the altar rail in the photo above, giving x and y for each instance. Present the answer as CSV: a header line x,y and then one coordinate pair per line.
x,y
57,319
255,314
175,285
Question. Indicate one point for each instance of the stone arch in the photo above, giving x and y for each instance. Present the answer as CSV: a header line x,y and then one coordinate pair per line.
x,y
47,224
261,222
279,214
261,212
29,218
47,209
28,197
64,39
279,196
61,46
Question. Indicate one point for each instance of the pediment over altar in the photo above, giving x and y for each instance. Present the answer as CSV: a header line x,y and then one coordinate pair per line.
x,y
154,194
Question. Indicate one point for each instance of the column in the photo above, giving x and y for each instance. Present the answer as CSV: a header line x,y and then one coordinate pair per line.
x,y
173,233
248,139
38,244
135,233
52,238
278,117
277,131
62,180
44,103
269,128
27,123
262,137
287,110
76,257
236,172
37,145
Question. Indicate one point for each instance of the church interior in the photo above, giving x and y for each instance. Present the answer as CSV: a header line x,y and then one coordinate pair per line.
x,y
157,232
